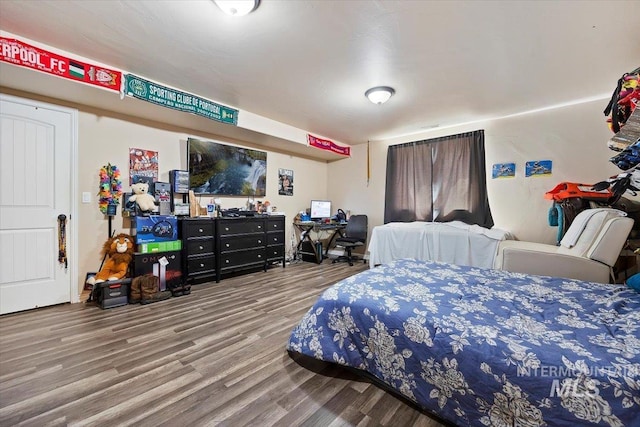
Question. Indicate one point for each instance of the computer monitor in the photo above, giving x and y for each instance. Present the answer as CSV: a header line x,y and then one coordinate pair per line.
x,y
320,209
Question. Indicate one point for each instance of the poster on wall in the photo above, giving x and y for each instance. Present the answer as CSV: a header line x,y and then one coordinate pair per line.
x,y
503,170
143,166
285,182
537,168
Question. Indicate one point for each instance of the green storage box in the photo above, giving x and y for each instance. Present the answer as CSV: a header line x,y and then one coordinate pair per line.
x,y
153,247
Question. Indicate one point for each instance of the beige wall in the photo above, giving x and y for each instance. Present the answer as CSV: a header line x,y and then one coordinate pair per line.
x,y
103,139
573,137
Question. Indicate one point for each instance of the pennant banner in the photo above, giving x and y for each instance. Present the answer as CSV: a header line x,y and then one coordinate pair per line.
x,y
325,144
15,52
140,88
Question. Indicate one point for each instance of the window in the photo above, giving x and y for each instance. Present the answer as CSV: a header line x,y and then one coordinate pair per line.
x,y
441,179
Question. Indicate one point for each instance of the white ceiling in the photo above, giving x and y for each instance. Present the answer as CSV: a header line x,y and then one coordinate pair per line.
x,y
308,63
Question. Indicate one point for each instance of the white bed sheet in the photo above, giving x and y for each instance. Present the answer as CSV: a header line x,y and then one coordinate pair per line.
x,y
454,242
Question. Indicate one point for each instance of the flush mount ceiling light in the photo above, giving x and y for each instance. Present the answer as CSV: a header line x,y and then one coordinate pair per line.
x,y
237,7
379,94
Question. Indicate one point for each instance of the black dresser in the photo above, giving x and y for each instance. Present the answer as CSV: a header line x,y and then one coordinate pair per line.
x,y
214,247
275,239
199,249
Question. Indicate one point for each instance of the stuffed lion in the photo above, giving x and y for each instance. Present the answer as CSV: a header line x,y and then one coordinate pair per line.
x,y
119,251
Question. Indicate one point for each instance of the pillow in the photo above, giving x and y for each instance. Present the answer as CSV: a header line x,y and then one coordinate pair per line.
x,y
634,282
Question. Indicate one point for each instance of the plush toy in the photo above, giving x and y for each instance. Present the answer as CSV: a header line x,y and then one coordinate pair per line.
x,y
119,251
145,201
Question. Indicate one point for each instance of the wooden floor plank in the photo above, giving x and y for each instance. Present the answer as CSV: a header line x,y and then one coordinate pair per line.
x,y
215,357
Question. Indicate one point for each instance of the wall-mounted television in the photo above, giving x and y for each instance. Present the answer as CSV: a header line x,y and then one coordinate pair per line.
x,y
226,170
320,209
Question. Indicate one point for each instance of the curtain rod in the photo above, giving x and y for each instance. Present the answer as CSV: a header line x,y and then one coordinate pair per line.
x,y
438,139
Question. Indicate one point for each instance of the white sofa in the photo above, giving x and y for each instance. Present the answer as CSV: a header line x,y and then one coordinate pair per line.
x,y
588,250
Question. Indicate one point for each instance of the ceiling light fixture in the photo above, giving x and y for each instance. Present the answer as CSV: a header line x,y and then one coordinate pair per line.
x,y
379,94
237,7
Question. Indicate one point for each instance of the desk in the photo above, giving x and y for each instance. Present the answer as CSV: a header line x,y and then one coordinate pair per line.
x,y
310,250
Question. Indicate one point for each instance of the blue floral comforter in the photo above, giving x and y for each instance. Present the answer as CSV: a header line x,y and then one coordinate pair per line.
x,y
485,347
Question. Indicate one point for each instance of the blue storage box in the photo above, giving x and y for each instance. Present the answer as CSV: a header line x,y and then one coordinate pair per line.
x,y
156,228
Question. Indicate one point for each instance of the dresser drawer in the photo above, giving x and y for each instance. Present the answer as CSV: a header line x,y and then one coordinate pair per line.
x,y
200,265
275,224
233,243
198,229
239,259
275,238
200,246
275,252
239,226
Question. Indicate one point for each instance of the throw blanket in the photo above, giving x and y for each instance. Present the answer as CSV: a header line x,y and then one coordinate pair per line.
x,y
454,242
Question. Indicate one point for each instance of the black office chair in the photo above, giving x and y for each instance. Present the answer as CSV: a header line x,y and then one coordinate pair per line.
x,y
356,235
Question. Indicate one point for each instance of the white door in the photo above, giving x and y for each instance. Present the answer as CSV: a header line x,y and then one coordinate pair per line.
x,y
36,143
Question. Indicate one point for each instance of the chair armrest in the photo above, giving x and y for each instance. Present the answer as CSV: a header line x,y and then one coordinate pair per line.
x,y
543,260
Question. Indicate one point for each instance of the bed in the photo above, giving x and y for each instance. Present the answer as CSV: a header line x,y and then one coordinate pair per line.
x,y
455,242
480,347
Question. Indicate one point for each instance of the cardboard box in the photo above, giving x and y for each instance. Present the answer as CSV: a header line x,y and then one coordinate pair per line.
x,y
179,180
163,195
167,266
148,248
128,208
156,228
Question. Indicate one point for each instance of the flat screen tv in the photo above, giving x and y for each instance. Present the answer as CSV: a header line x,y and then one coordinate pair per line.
x,y
226,170
320,209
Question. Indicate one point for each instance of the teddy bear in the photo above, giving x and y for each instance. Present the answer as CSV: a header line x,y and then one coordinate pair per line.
x,y
119,252
145,201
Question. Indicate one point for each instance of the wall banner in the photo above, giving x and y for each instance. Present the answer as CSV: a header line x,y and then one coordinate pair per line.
x,y
140,88
325,144
15,52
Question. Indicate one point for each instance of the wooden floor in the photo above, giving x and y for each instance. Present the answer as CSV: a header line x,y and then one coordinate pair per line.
x,y
215,357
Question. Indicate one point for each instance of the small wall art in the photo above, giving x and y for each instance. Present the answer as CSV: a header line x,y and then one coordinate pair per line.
x,y
285,182
503,170
538,168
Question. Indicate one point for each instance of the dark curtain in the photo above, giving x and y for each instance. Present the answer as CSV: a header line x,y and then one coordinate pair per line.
x,y
441,179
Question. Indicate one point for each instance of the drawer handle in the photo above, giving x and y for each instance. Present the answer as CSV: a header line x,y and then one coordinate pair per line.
x,y
259,241
227,245
259,256
226,229
227,261
259,227
201,265
201,247
200,230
